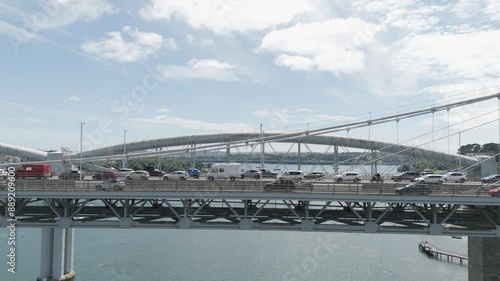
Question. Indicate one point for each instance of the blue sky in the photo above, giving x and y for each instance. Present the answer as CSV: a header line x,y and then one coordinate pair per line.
x,y
167,68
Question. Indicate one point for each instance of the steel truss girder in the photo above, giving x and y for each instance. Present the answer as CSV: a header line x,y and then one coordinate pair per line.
x,y
271,214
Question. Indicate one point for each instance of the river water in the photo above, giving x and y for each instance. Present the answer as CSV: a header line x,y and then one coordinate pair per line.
x,y
132,254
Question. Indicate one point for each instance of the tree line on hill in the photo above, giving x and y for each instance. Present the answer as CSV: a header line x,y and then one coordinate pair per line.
x,y
490,149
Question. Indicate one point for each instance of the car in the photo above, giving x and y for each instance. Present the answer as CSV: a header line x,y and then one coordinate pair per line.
x,y
194,173
315,176
292,175
347,176
4,173
71,175
405,176
287,185
494,191
113,184
491,179
122,172
414,188
427,172
265,173
153,172
430,178
177,175
252,173
137,175
455,176
105,175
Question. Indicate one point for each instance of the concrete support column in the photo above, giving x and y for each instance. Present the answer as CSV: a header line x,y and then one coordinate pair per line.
x,y
336,159
228,153
56,259
46,253
58,253
69,246
484,259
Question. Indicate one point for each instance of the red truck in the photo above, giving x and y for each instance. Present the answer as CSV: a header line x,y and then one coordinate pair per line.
x,y
38,171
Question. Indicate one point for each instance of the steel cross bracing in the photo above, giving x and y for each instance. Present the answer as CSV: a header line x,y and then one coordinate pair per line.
x,y
221,207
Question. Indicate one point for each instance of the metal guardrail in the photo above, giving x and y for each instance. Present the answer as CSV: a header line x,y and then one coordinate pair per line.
x,y
245,186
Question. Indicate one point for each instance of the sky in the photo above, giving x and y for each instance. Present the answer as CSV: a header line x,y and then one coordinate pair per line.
x,y
182,67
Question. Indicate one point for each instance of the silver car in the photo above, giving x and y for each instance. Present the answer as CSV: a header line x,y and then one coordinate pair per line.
x,y
137,175
112,184
431,178
177,175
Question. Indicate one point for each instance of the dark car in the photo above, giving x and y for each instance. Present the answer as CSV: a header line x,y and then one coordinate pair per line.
x,y
287,185
153,172
194,173
414,189
410,176
71,175
252,173
315,176
265,173
491,179
105,175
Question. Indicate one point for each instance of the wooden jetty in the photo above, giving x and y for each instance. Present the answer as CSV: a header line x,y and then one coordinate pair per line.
x,y
430,250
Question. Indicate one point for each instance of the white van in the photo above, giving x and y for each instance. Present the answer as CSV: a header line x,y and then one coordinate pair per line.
x,y
230,171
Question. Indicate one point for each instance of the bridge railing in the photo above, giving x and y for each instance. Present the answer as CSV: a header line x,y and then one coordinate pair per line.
x,y
244,186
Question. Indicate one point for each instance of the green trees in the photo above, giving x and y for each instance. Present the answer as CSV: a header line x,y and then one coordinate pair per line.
x,y
475,148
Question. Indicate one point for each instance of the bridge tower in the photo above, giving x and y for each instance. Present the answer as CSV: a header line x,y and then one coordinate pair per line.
x,y
56,259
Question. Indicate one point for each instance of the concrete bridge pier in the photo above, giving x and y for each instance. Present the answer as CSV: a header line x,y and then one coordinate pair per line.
x,y
56,259
484,258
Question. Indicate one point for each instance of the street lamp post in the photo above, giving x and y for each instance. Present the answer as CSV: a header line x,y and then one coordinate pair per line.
x,y
81,150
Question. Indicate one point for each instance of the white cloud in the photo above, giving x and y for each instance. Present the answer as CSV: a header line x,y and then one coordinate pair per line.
x,y
283,118
74,98
222,16
17,35
492,9
199,69
166,120
335,45
203,42
162,110
139,46
408,14
465,9
60,13
442,56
